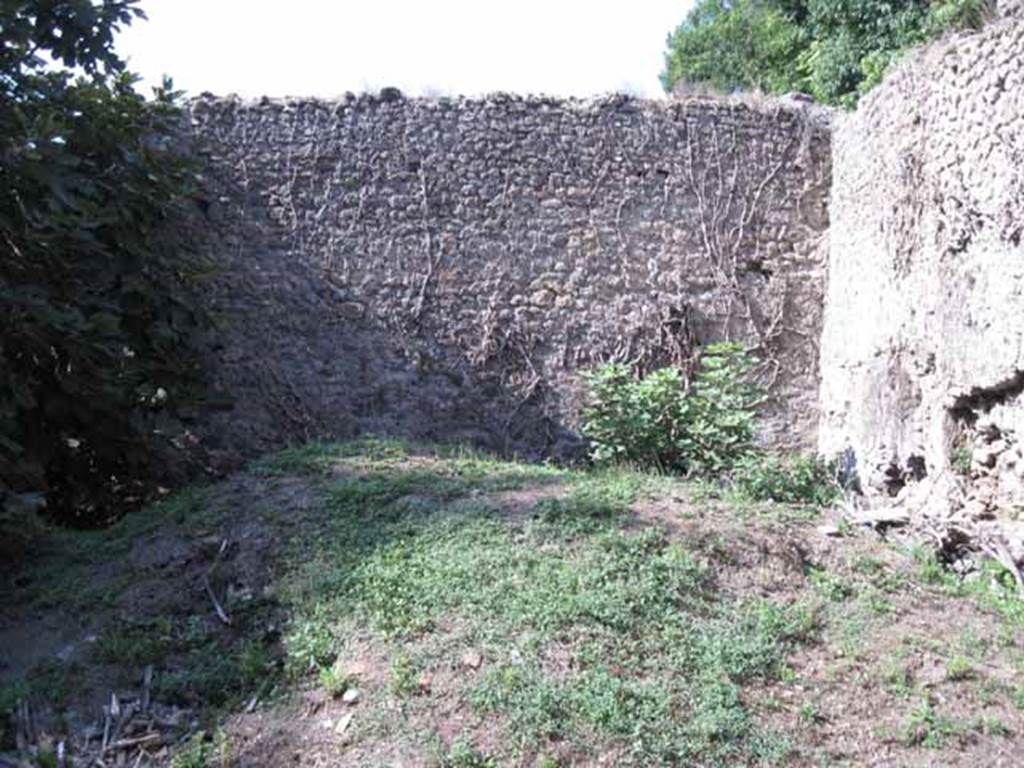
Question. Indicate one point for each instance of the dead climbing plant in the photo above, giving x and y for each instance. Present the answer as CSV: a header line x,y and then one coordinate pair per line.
x,y
736,180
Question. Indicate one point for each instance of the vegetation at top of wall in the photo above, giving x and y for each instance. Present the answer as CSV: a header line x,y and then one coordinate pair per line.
x,y
703,427
834,50
97,320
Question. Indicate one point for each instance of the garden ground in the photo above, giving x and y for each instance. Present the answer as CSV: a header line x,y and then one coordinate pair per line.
x,y
377,604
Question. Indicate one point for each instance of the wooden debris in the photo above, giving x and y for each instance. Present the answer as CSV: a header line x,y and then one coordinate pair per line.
x,y
889,517
24,726
146,740
147,685
217,607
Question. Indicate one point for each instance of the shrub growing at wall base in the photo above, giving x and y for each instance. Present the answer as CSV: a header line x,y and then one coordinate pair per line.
x,y
706,428
788,480
657,421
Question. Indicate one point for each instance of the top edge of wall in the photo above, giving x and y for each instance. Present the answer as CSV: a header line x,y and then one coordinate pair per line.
x,y
795,104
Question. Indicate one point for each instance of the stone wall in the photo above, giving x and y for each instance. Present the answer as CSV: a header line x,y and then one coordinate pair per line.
x,y
443,269
923,344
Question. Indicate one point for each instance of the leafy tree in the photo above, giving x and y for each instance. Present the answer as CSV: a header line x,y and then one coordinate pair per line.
x,y
729,45
97,321
834,50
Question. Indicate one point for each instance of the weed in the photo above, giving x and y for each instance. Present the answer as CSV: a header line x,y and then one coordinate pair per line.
x,y
880,575
996,590
464,755
959,668
204,751
830,585
926,727
55,681
960,456
317,458
928,569
404,675
593,501
310,645
877,604
990,725
334,681
135,645
644,636
1016,694
656,421
217,675
898,679
852,632
306,459
809,713
791,480
10,695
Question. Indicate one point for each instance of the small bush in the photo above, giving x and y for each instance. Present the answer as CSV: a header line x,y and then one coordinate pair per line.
x,y
464,755
334,680
655,421
204,751
792,480
961,455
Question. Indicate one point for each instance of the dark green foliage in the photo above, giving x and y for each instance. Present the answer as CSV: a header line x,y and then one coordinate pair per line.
x,y
794,480
707,429
729,45
97,322
657,422
832,49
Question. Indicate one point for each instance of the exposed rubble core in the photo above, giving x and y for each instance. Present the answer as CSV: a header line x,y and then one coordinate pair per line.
x,y
923,343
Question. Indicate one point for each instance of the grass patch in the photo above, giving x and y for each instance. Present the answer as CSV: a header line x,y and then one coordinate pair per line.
x,y
926,727
958,668
319,458
534,602
599,634
205,750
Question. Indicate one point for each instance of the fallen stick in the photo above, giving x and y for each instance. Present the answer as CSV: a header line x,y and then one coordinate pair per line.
x,y
147,684
221,614
883,518
136,741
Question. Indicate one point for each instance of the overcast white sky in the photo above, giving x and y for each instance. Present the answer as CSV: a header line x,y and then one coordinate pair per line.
x,y
327,47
